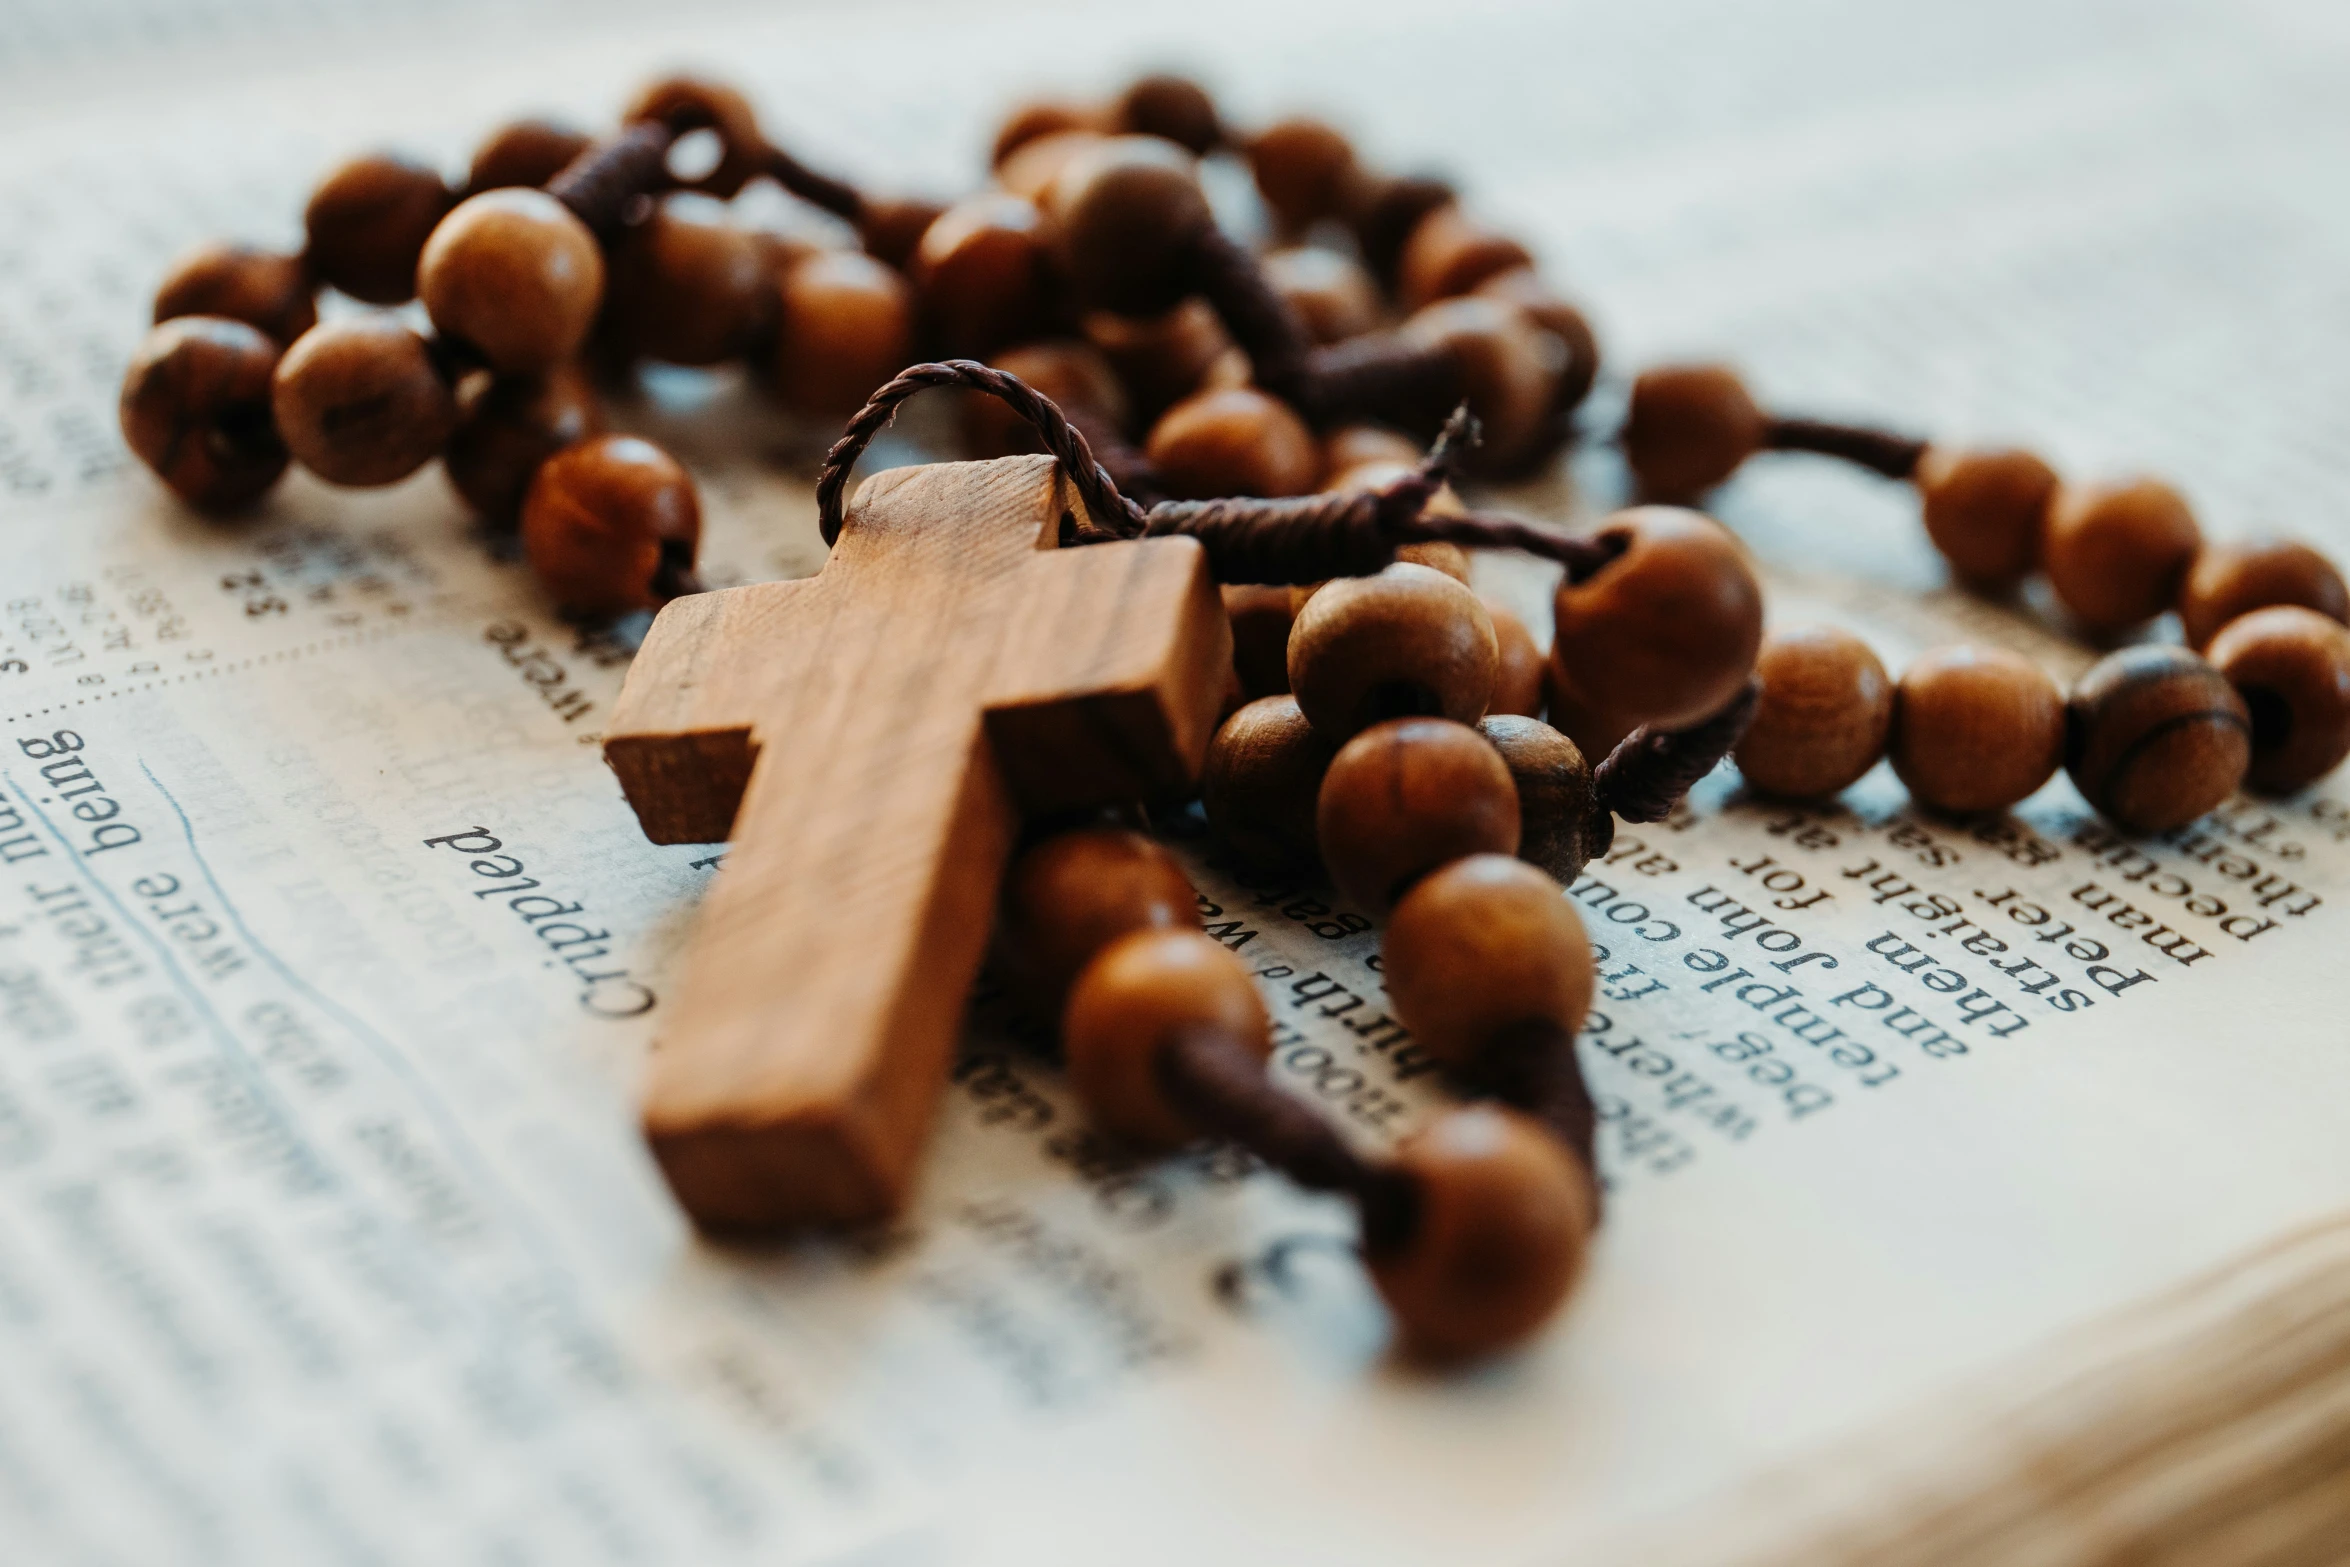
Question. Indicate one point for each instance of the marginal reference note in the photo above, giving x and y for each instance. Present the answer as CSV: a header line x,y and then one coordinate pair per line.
x,y
329,951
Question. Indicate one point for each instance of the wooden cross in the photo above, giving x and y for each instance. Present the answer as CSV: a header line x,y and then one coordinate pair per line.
x,y
870,737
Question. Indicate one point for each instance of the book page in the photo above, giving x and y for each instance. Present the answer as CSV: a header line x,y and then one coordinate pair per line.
x,y
326,1233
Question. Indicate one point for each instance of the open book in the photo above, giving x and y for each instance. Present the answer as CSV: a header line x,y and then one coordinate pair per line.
x,y
1975,1188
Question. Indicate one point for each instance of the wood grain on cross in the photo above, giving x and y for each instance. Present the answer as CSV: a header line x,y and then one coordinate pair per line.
x,y
870,737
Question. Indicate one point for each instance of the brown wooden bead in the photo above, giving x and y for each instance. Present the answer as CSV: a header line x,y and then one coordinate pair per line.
x,y
1560,827
1404,797
1985,511
892,227
1163,359
1688,429
1408,640
1352,446
1517,676
1479,944
195,409
689,285
2292,668
846,325
1261,619
1594,727
1029,173
261,288
1450,253
1666,632
508,429
2116,554
1129,1003
980,271
1032,122
2228,580
1237,441
361,401
1070,896
1975,728
514,275
367,223
1333,296
1123,212
1500,1226
1175,107
525,153
1826,710
1510,371
1262,783
1305,171
1073,374
604,518
1524,288
687,104
2155,737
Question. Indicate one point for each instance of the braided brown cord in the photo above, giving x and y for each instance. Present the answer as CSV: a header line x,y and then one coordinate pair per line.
x,y
1530,1065
1649,771
834,196
1114,516
1582,556
599,185
1212,1076
1382,378
1894,456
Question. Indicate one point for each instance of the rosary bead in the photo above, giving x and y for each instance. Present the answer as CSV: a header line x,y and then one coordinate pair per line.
x,y
1450,253
1984,510
1071,373
1560,825
361,402
1825,712
1524,288
2228,580
1517,673
1333,296
1665,633
1305,171
1482,943
1174,107
604,519
2155,737
1499,1229
1510,373
367,223
526,153
1408,640
261,288
1261,617
2116,554
2292,667
1688,429
1033,122
1237,441
981,273
1073,894
1164,359
892,227
1029,173
1406,796
508,429
195,408
512,274
1262,782
1130,1003
1121,213
1352,446
846,325
689,285
1975,728
686,104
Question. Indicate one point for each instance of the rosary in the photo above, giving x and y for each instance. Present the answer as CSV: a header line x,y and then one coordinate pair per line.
x,y
1210,547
